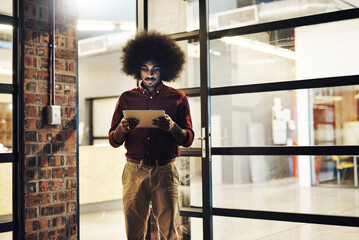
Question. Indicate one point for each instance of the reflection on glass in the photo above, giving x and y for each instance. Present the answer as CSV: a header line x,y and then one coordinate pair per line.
x,y
336,170
6,192
190,77
287,118
6,7
5,123
229,14
5,53
173,16
276,230
190,172
195,107
284,184
316,51
253,119
189,228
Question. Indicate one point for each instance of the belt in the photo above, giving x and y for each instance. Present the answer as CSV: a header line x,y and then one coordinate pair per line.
x,y
151,162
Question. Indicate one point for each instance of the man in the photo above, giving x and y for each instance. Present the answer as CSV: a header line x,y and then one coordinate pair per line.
x,y
150,176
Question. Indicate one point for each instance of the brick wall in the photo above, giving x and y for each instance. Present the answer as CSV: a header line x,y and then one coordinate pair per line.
x,y
50,152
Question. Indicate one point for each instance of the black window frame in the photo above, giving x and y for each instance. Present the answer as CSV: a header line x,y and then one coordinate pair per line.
x,y
205,92
15,226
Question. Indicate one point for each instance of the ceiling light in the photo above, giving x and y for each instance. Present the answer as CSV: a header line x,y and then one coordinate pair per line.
x,y
259,46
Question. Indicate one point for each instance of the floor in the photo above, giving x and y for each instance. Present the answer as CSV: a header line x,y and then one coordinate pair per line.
x,y
276,195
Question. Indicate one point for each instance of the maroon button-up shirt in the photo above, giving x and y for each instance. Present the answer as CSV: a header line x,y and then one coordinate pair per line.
x,y
153,143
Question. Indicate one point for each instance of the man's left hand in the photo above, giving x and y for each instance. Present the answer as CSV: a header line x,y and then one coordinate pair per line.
x,y
165,123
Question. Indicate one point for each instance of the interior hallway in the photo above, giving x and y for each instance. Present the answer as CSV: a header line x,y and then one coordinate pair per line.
x,y
276,195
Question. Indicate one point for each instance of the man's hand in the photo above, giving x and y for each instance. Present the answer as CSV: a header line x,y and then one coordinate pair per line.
x,y
165,123
128,124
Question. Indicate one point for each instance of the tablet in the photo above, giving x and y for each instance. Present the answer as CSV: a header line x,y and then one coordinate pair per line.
x,y
144,116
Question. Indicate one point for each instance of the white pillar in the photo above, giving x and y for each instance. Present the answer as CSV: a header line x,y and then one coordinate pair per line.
x,y
303,135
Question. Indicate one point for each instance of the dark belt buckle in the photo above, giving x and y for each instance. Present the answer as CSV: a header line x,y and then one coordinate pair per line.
x,y
149,163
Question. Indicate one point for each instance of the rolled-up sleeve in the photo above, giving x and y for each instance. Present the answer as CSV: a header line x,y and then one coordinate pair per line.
x,y
185,120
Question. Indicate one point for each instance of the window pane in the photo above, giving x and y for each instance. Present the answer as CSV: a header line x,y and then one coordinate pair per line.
x,y
102,116
229,14
172,16
276,230
189,228
287,118
6,192
5,53
6,236
6,7
281,183
190,173
195,106
316,51
336,170
190,77
5,123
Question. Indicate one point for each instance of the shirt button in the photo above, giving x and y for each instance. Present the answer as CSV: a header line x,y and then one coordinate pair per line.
x,y
158,91
148,153
150,97
148,138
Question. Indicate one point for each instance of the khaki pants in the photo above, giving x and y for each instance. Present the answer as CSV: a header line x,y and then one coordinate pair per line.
x,y
158,185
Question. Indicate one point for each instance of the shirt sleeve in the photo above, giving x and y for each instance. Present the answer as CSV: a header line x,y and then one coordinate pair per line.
x,y
185,120
116,119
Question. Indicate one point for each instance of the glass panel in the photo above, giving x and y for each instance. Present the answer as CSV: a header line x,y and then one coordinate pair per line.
x,y
5,53
190,76
189,228
172,16
287,118
103,28
6,7
5,123
190,172
6,236
336,170
6,189
195,106
316,51
281,183
102,115
276,230
229,13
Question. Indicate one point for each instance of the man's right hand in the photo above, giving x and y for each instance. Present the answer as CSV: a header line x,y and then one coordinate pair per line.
x,y
128,124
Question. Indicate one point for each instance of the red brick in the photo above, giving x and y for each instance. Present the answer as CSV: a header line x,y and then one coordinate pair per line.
x,y
37,199
49,175
30,10
71,136
70,147
55,209
64,172
51,185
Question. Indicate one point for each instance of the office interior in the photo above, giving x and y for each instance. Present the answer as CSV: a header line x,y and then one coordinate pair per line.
x,y
286,117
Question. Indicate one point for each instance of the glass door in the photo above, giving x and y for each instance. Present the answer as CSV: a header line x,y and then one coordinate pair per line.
x,y
9,121
275,95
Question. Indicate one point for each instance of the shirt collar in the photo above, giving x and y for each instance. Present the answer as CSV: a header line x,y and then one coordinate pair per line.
x,y
157,89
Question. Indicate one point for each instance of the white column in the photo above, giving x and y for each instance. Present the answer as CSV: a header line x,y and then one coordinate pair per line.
x,y
303,135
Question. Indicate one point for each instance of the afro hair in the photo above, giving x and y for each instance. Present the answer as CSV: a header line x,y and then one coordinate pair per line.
x,y
156,47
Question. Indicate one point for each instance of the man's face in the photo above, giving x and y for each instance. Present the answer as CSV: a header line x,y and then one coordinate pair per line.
x,y
150,75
